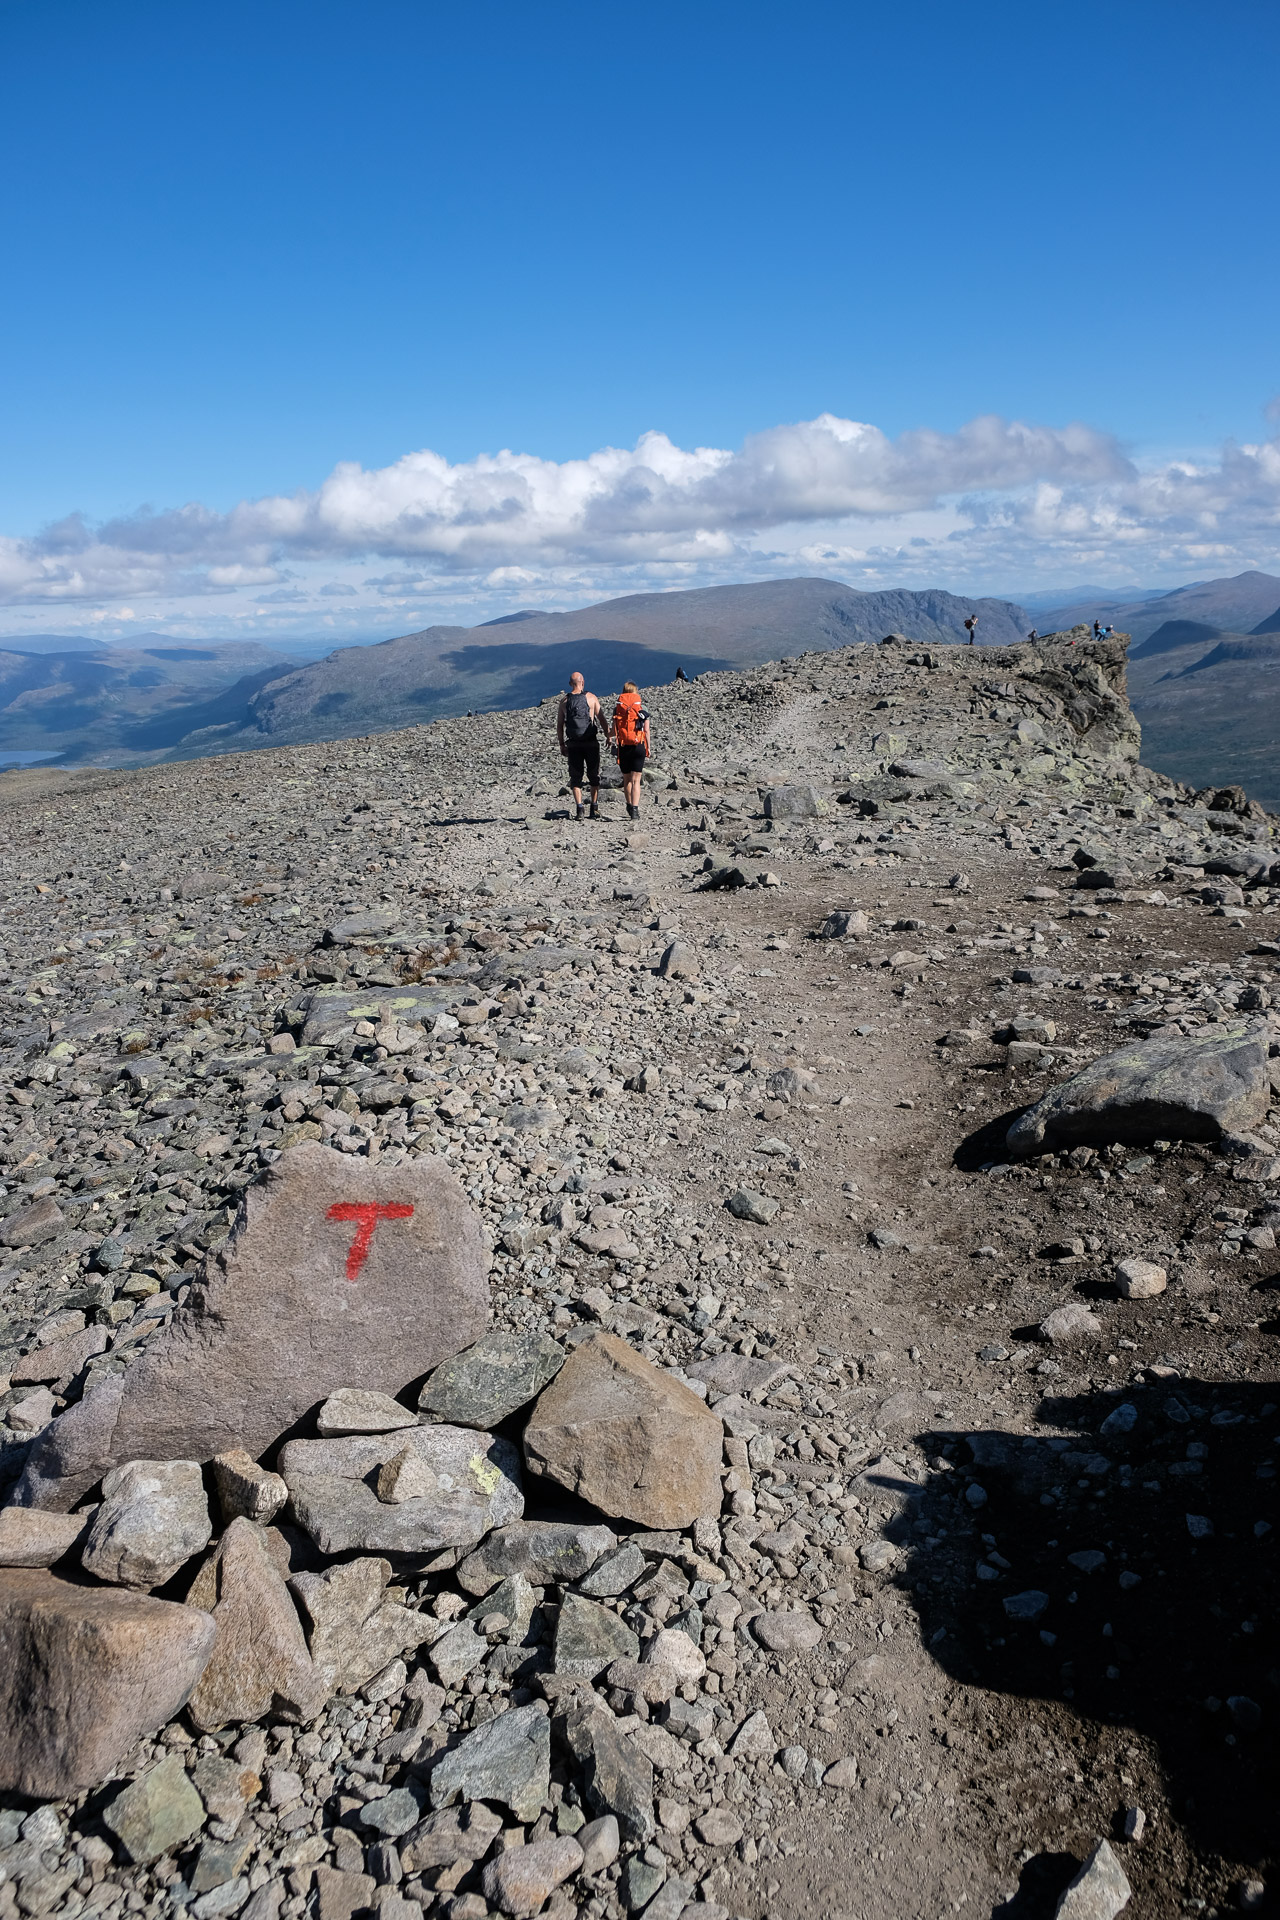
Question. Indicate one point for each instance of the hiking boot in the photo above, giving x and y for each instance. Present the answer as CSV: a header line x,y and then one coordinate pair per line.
x,y
595,811
579,815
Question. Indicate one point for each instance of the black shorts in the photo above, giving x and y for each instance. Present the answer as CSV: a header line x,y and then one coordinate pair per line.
x,y
631,759
584,756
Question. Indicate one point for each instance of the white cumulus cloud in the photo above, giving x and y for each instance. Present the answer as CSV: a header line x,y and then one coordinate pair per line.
x,y
996,500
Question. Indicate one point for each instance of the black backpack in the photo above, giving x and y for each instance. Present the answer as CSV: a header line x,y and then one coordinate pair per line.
x,y
578,722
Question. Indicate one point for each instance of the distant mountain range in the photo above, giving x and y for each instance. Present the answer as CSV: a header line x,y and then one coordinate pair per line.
x,y
1247,603
1204,670
74,702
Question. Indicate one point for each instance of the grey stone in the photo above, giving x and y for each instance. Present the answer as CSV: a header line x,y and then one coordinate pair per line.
x,y
62,1358
614,1575
1173,1086
1140,1279
788,1084
792,803
1099,1891
86,1673
590,1637
792,1632
844,926
493,1379
275,1320
1065,1325
219,1863
600,1841
361,1410
679,962
759,1208
356,1626
31,1226
639,1882
507,1760
156,1813
721,1827
456,1654
753,1740
544,1551
434,1487
1026,1606
521,1880
225,1786
260,1664
514,1599
30,1539
671,1900
455,1834
393,1814
618,1778
153,1518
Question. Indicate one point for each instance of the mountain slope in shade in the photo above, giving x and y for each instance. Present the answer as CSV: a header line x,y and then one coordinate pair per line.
x,y
1230,606
1270,625
1210,712
645,637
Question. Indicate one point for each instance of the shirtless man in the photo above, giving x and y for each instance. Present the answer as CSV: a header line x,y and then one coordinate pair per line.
x,y
576,731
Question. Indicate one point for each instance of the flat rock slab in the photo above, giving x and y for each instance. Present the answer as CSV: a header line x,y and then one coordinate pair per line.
x,y
1193,1086
260,1664
454,1486
31,1539
508,1760
739,1372
361,1410
337,1273
542,1551
493,1379
85,1673
627,1437
332,1012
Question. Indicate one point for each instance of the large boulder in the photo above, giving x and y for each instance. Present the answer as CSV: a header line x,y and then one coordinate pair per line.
x,y
338,1271
85,1673
627,1437
409,1492
1195,1086
260,1664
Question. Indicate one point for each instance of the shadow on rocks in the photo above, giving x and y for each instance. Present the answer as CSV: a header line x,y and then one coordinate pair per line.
x,y
1127,1566
985,1147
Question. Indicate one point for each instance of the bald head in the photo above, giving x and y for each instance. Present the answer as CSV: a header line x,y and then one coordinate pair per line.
x,y
576,683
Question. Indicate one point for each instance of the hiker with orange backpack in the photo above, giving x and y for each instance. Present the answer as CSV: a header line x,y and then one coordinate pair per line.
x,y
632,744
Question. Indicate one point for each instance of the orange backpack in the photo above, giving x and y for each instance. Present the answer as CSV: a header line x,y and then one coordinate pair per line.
x,y
628,721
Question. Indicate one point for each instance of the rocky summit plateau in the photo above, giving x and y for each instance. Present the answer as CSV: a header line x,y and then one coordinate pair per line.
x,y
711,1365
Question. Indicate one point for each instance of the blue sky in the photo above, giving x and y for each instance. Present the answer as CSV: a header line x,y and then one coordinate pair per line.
x,y
247,245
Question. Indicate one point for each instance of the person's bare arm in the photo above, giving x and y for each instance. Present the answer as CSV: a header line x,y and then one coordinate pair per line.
x,y
560,727
594,706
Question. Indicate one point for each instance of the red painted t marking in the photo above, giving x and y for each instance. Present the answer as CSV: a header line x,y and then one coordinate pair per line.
x,y
368,1217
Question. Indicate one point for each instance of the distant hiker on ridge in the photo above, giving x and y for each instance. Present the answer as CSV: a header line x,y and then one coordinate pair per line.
x,y
577,720
1097,629
971,626
1033,635
630,731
